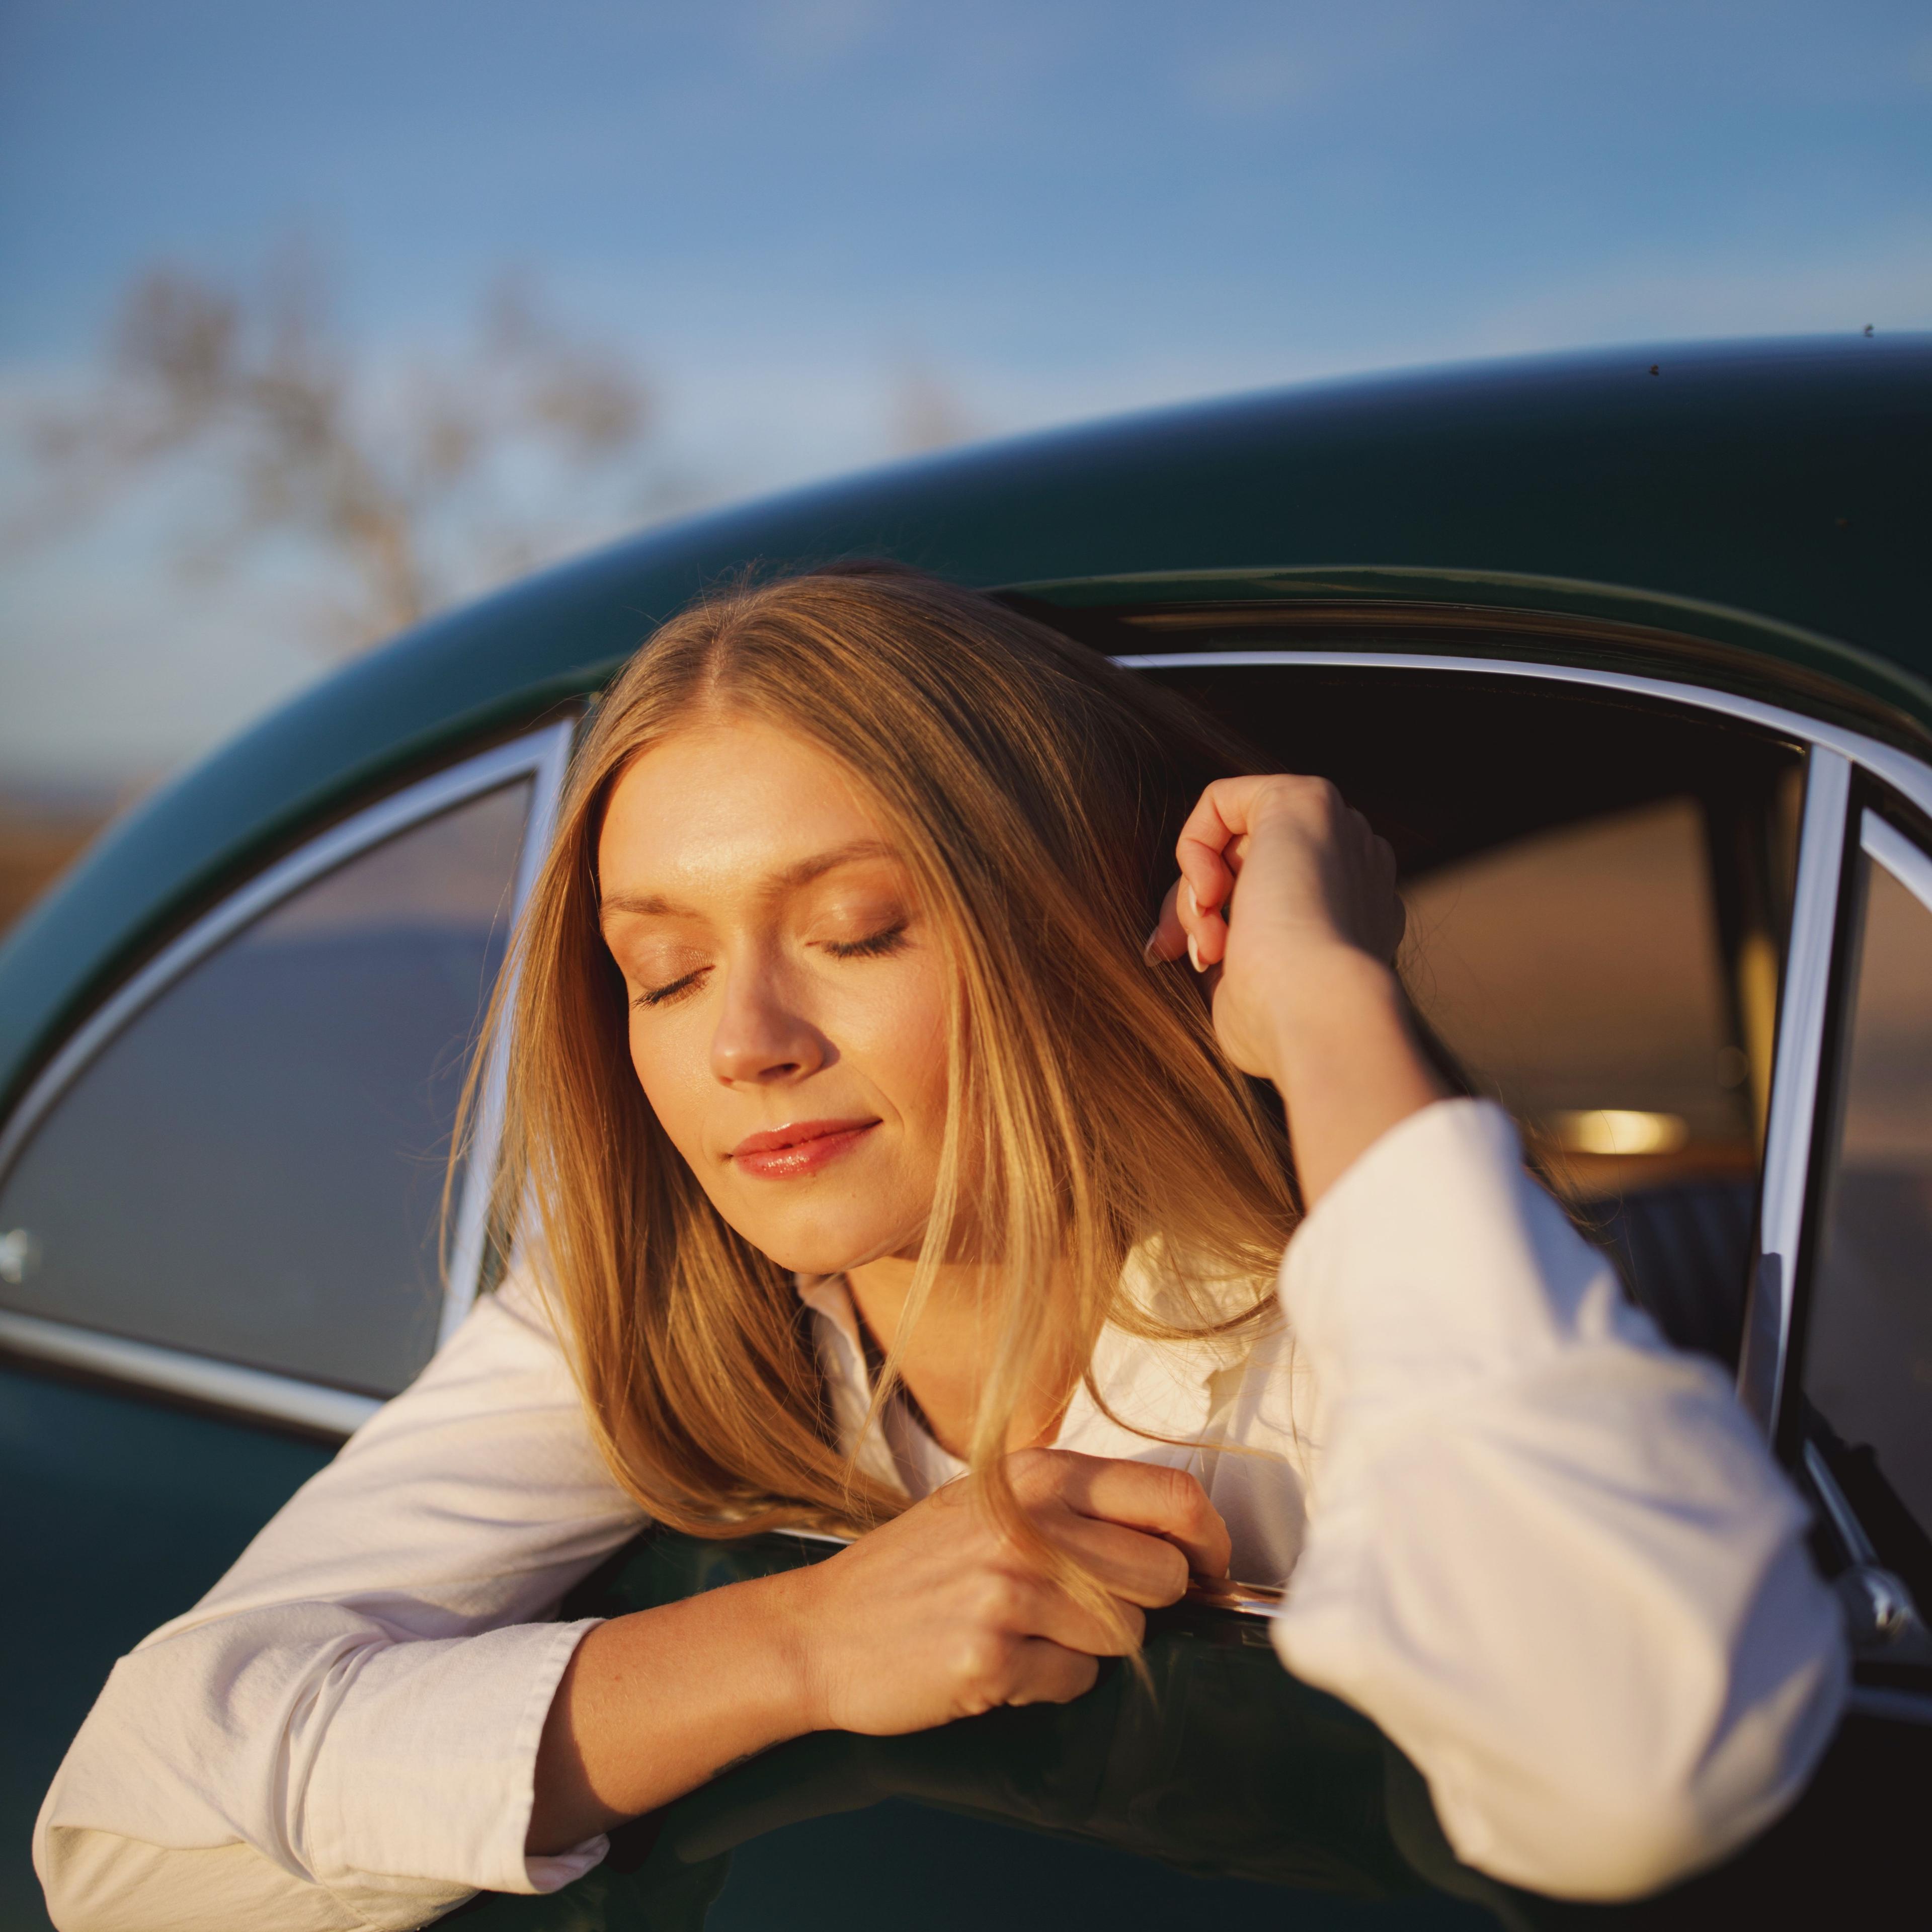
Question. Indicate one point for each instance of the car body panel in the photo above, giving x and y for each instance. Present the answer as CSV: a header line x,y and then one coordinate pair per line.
x,y
119,1510
1222,1784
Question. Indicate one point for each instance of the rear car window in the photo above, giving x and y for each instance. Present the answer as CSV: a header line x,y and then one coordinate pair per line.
x,y
252,1168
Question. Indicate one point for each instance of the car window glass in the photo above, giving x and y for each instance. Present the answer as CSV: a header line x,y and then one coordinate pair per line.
x,y
1868,1348
1577,972
253,1167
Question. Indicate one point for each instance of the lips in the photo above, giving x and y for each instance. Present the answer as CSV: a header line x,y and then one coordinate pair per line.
x,y
803,1146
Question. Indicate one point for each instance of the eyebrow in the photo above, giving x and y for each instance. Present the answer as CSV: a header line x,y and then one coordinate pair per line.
x,y
656,905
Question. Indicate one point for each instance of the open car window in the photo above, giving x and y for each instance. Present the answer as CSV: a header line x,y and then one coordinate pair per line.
x,y
1598,889
286,1215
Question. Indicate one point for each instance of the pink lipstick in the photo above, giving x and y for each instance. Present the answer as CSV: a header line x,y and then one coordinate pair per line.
x,y
803,1146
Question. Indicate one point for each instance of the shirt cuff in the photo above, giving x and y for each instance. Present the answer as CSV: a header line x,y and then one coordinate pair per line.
x,y
1435,1262
430,1767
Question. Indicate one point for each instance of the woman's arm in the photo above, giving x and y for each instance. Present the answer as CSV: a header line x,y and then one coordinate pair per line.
x,y
341,1733
360,1725
1547,1555
934,1616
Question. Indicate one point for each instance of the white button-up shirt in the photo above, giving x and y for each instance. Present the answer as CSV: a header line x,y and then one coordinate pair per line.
x,y
1546,1553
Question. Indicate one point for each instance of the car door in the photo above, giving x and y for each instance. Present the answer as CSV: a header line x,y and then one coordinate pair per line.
x,y
1600,871
223,1241
1546,815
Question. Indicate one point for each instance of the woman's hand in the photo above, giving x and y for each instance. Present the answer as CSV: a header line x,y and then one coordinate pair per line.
x,y
935,1616
1316,885
1286,903
938,1616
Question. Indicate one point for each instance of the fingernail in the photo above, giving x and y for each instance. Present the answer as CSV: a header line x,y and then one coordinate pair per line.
x,y
1193,953
1147,953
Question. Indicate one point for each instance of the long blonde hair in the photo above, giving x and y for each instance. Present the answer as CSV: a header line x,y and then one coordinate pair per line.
x,y
1034,792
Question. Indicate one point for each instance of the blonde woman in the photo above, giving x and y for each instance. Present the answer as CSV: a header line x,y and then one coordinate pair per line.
x,y
874,1169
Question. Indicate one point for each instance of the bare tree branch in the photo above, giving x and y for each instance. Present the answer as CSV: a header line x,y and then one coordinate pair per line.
x,y
406,481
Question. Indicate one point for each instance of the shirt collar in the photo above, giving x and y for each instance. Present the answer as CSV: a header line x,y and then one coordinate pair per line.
x,y
1164,1388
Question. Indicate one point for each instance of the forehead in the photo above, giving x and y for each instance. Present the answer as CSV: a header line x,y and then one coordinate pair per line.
x,y
729,798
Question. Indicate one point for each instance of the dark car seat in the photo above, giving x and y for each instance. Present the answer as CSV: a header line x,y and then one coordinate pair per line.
x,y
1684,1251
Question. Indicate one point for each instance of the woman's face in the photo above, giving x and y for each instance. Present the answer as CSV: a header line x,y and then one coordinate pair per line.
x,y
787,998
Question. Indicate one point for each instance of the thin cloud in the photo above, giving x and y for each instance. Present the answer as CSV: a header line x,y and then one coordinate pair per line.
x,y
815,34
1251,80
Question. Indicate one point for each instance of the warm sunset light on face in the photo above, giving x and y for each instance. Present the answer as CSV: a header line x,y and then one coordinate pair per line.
x,y
788,1000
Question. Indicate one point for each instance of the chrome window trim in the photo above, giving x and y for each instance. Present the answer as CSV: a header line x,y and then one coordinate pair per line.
x,y
1898,855
541,756
174,1372
471,1220
1851,1532
1804,1001
1905,774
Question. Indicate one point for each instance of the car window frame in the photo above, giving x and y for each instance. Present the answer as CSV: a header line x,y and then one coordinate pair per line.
x,y
1846,774
539,757
1857,821
1879,824
1833,754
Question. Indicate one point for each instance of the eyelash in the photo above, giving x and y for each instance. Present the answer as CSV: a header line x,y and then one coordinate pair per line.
x,y
878,946
658,995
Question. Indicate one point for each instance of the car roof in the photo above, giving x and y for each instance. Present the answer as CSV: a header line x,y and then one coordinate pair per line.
x,y
1763,500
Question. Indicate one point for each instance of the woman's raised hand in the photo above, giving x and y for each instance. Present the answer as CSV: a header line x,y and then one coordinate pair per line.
x,y
938,1615
1286,904
1314,881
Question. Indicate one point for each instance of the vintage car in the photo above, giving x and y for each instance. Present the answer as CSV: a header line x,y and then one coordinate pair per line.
x,y
1626,653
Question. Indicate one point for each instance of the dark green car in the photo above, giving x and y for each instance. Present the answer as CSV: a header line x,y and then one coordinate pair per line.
x,y
1627,655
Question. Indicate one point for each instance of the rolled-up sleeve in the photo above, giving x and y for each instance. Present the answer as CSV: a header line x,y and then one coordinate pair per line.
x,y
343,1731
1548,1554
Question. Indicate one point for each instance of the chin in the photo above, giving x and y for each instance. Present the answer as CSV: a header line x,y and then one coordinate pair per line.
x,y
815,1257
826,1249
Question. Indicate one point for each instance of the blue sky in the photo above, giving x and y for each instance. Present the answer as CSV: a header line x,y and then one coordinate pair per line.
x,y
1055,208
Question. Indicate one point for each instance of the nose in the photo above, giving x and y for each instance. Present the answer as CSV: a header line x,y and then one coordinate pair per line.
x,y
762,1038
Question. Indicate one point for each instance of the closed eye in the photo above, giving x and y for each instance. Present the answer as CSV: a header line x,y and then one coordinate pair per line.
x,y
874,947
658,996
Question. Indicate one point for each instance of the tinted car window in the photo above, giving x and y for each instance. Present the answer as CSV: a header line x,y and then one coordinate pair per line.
x,y
1868,1354
253,1167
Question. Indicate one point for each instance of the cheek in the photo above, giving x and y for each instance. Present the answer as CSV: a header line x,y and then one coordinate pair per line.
x,y
672,1065
899,1038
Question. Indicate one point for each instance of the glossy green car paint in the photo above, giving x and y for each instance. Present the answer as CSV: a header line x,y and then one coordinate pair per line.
x,y
1174,1792
1762,505
1220,1792
115,1513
